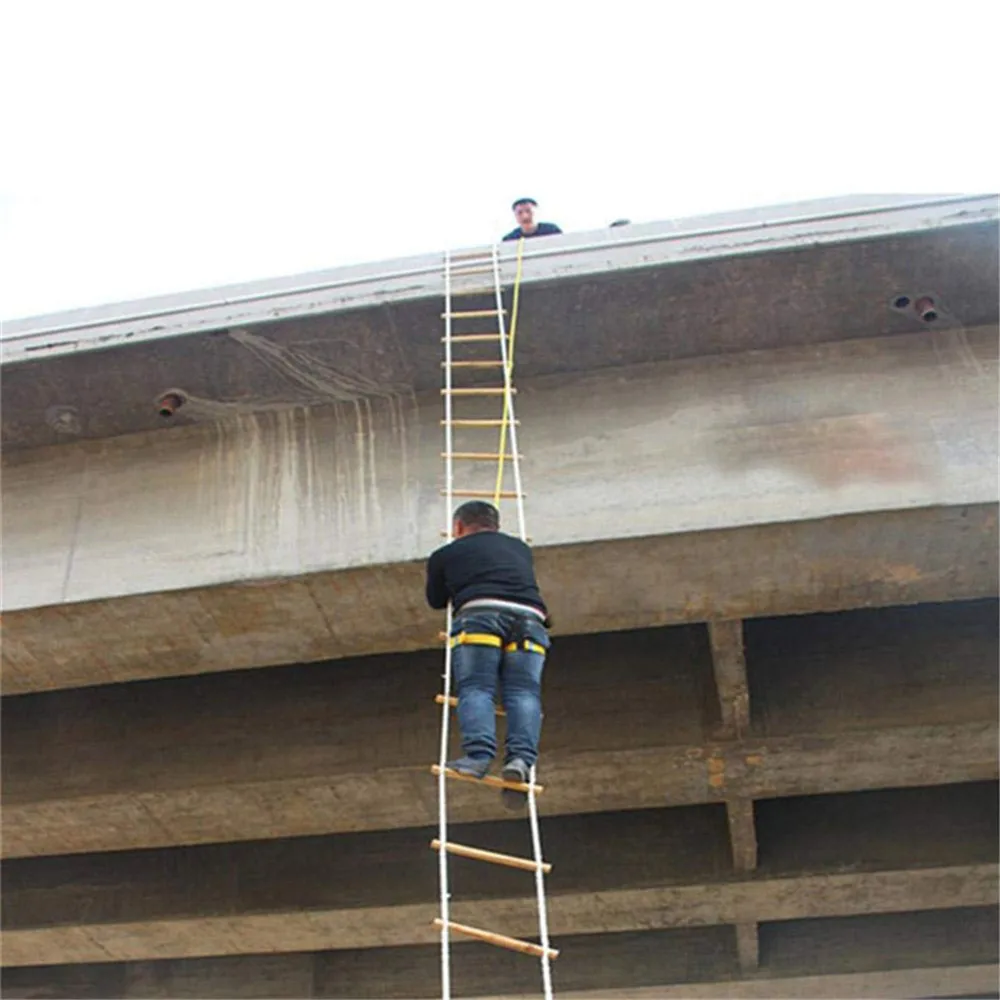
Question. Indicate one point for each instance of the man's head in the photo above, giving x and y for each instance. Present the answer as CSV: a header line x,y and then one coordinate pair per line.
x,y
524,212
476,515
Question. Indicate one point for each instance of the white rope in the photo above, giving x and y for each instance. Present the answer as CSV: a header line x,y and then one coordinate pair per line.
x,y
543,918
443,756
536,835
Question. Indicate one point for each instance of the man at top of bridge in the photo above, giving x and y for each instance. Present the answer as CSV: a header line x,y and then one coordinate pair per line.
x,y
499,634
524,212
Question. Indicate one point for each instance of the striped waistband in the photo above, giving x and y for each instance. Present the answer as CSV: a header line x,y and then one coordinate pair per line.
x,y
496,604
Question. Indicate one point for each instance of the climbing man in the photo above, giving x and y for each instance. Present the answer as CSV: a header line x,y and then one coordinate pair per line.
x,y
524,212
499,634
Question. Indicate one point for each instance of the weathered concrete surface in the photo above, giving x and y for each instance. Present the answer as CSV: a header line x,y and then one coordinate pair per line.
x,y
688,963
926,848
694,446
935,953
947,981
904,696
654,292
585,913
684,849
576,783
720,445
736,486
261,976
870,560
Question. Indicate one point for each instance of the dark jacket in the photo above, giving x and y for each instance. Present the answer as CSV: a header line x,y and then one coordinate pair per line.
x,y
482,565
544,229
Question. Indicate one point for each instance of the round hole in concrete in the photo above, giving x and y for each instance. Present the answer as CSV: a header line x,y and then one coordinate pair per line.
x,y
901,302
169,403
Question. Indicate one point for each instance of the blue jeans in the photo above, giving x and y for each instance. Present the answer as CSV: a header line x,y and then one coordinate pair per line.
x,y
477,671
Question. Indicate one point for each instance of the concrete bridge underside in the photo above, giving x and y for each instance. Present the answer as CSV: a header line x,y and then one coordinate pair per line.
x,y
749,485
765,509
716,796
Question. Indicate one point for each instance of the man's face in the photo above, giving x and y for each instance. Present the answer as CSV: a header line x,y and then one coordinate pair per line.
x,y
525,215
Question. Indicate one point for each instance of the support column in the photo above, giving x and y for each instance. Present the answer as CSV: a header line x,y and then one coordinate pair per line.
x,y
748,947
733,689
730,669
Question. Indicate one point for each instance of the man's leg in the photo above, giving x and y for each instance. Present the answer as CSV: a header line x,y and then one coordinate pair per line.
x,y
522,701
475,669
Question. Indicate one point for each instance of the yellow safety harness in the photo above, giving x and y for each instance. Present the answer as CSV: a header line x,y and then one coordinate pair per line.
x,y
485,639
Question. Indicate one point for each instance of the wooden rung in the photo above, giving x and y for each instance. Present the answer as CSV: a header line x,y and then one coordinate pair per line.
x,y
477,854
490,781
484,494
453,701
476,422
461,272
469,338
473,364
500,940
472,255
473,314
480,456
478,391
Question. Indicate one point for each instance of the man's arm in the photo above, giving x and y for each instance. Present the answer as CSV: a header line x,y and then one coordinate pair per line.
x,y
437,590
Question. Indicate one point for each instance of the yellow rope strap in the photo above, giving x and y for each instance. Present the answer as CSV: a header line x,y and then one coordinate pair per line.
x,y
486,639
510,374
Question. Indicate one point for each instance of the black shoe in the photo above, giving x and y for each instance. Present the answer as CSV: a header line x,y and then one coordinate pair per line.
x,y
472,767
515,770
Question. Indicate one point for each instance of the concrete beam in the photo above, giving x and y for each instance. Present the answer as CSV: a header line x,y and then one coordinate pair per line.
x,y
874,560
940,951
742,834
295,929
943,981
574,255
923,848
748,946
268,977
784,437
582,782
730,669
293,977
901,696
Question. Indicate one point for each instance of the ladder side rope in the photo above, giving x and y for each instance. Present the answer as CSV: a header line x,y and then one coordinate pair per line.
x,y
446,701
507,358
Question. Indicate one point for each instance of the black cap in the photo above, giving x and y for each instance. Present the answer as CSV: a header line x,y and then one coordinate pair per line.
x,y
524,201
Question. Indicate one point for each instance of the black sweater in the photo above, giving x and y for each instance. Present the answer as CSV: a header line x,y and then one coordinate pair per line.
x,y
481,565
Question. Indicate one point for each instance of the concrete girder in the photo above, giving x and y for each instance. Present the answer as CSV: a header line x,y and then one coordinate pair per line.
x,y
581,782
268,978
294,977
717,467
764,899
943,981
930,953
859,700
753,281
800,567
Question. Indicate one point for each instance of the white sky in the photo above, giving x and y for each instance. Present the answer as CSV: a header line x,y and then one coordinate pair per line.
x,y
154,146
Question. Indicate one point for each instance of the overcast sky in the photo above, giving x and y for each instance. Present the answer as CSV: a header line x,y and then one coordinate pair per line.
x,y
154,147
